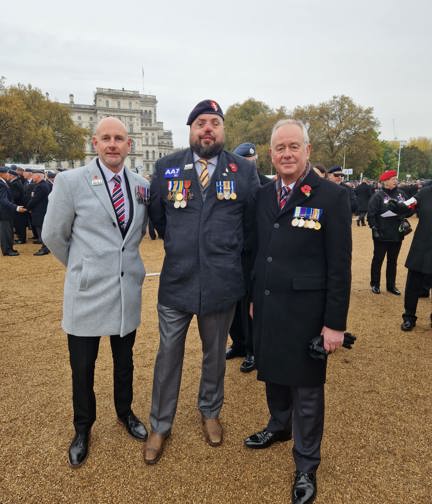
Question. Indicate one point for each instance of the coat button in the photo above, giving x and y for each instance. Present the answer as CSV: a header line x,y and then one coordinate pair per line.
x,y
122,273
267,292
276,225
114,224
123,249
269,259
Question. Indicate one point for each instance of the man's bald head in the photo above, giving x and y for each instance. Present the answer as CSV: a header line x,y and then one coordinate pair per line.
x,y
112,143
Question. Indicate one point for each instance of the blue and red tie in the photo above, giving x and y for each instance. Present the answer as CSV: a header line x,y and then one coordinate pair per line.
x,y
118,201
284,196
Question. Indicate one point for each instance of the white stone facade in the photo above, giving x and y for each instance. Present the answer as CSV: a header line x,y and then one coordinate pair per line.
x,y
138,112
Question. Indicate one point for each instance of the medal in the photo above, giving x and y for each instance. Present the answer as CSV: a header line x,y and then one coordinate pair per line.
x,y
176,204
179,196
294,222
317,226
183,204
233,196
220,196
301,222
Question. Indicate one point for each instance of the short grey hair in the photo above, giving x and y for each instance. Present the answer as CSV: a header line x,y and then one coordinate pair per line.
x,y
296,122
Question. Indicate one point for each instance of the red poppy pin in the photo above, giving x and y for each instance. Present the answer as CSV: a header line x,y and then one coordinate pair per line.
x,y
233,167
306,190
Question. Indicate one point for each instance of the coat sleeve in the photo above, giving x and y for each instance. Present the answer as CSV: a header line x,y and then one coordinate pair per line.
x,y
157,207
58,222
338,249
374,210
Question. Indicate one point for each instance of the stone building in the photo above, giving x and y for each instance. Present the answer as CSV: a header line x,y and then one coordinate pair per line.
x,y
138,112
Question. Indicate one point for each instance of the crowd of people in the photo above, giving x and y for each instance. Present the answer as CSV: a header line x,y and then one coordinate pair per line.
x,y
266,261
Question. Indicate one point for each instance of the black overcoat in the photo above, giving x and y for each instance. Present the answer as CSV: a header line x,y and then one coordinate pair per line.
x,y
38,202
420,254
205,241
301,280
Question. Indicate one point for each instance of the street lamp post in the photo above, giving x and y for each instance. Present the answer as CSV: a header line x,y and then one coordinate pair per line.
x,y
401,144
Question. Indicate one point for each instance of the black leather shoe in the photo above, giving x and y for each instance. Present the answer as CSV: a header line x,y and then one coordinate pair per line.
x,y
248,364
12,253
394,291
233,352
375,289
408,325
304,489
41,252
265,438
79,449
134,427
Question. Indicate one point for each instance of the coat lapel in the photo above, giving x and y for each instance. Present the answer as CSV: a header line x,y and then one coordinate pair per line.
x,y
97,184
298,197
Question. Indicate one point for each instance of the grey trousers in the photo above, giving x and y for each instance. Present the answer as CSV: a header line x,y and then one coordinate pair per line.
x,y
173,327
302,409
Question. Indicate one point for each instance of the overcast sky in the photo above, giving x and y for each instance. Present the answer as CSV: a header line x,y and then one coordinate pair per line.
x,y
283,52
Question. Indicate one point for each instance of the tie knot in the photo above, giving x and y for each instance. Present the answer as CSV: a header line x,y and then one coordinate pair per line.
x,y
203,163
285,191
117,179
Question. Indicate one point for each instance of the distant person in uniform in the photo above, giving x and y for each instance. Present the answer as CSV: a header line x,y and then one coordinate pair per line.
x,y
95,222
8,209
20,218
363,193
201,205
387,238
301,289
241,327
335,174
37,206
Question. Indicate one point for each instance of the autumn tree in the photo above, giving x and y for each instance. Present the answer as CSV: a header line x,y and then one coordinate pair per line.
x,y
252,121
342,131
32,128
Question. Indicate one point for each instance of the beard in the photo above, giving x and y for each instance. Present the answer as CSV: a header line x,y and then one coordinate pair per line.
x,y
206,151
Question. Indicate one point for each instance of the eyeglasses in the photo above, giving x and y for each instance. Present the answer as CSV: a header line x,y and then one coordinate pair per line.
x,y
338,175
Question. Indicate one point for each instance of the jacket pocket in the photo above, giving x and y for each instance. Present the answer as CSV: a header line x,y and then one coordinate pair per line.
x,y
84,276
309,283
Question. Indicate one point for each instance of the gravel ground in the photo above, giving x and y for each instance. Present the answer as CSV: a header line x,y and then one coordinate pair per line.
x,y
378,434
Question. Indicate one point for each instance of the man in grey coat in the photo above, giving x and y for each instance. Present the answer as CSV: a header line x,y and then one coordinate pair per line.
x,y
94,224
201,205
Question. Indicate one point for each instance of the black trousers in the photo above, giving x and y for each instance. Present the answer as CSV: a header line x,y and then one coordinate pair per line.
x,y
416,282
361,218
300,409
38,231
381,248
241,327
83,353
6,236
20,224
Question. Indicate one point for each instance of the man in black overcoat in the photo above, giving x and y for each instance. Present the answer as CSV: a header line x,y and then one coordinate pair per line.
x,y
20,219
37,205
301,289
202,206
8,209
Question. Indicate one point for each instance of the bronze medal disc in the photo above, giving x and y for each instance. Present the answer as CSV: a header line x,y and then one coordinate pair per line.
x,y
301,222
176,204
179,196
294,222
317,226
233,196
183,204
220,196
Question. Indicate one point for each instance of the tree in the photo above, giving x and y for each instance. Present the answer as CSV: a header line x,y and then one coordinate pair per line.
x,y
32,128
341,130
252,121
415,163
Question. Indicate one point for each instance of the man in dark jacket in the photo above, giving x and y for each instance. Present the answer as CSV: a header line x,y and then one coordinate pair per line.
x,y
201,205
37,205
8,209
336,175
363,194
20,219
302,278
387,238
419,260
241,327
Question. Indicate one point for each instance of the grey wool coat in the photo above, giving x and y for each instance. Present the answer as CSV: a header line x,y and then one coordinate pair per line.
x,y
105,273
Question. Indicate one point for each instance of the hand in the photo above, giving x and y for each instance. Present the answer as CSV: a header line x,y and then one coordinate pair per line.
x,y
375,233
21,209
332,339
251,310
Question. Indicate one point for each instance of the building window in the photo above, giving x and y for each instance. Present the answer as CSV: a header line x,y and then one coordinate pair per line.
x,y
153,155
132,146
160,155
130,104
118,104
107,103
147,154
131,128
132,163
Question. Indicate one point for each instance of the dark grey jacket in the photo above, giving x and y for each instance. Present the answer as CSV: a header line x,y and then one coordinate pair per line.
x,y
202,271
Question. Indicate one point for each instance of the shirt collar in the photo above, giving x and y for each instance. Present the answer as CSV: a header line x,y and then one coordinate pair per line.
x,y
109,175
212,161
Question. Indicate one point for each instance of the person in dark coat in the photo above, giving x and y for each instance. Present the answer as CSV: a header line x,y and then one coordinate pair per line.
x,y
363,194
20,219
201,204
37,205
387,238
8,209
419,259
301,289
241,327
335,174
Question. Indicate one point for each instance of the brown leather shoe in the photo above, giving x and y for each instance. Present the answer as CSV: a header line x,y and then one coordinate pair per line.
x,y
153,448
213,430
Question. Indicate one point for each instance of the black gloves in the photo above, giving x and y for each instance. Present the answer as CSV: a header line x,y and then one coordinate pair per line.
x,y
375,233
316,346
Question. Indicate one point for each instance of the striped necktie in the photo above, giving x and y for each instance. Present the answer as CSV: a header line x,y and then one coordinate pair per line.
x,y
204,175
118,201
284,196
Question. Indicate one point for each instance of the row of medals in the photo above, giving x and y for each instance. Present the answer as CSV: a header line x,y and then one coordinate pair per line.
x,y
308,223
226,195
180,199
